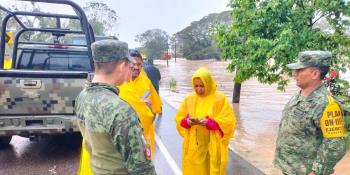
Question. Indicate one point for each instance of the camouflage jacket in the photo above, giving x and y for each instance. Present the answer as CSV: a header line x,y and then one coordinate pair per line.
x,y
300,146
112,132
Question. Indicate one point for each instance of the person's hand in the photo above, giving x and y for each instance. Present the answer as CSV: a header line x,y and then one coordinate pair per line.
x,y
160,114
203,122
193,120
312,173
189,122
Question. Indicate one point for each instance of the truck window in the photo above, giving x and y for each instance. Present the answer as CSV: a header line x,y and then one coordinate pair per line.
x,y
61,61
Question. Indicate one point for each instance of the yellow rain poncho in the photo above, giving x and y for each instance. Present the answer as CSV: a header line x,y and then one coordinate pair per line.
x,y
136,92
205,152
84,165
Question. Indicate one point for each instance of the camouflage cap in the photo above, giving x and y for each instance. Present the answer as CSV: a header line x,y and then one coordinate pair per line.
x,y
311,59
110,50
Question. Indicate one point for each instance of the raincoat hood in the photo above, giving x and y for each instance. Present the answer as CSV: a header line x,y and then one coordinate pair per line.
x,y
205,76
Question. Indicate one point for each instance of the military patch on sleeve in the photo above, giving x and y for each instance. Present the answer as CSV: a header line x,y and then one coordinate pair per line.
x,y
332,125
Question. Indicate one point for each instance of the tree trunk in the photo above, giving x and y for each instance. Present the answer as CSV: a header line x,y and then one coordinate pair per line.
x,y
236,93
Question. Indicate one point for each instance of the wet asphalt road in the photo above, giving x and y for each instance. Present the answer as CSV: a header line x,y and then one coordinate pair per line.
x,y
59,155
50,156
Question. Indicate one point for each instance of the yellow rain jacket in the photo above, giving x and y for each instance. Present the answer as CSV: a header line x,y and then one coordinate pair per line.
x,y
84,165
135,92
205,152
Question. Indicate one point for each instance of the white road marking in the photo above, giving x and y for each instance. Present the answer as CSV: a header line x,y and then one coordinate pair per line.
x,y
165,152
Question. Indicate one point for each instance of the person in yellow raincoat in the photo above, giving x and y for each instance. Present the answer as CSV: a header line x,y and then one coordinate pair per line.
x,y
135,160
143,97
206,122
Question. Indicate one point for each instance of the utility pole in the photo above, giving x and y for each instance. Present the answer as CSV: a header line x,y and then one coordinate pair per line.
x,y
167,51
175,47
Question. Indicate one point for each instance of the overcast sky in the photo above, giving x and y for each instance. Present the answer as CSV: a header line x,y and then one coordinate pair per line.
x,y
137,16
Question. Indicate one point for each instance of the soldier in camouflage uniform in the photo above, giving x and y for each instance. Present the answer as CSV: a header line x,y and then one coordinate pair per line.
x,y
110,127
301,147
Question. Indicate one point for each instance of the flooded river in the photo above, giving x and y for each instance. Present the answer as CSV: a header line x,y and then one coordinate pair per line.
x,y
258,113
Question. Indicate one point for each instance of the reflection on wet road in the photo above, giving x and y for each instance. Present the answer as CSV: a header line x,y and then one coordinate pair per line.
x,y
51,156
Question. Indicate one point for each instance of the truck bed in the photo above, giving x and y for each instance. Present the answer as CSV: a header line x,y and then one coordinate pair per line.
x,y
24,92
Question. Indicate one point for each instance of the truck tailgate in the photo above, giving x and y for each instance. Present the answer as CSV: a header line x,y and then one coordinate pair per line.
x,y
24,92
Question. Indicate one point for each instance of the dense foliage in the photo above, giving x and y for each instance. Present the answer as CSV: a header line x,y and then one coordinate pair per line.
x,y
154,42
266,35
196,42
101,17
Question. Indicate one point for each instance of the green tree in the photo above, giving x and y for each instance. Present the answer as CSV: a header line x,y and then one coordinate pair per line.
x,y
1,17
196,42
31,21
101,17
174,46
13,26
27,21
266,35
73,24
154,42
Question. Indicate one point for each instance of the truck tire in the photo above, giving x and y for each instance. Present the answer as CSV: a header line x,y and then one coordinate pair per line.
x,y
5,141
